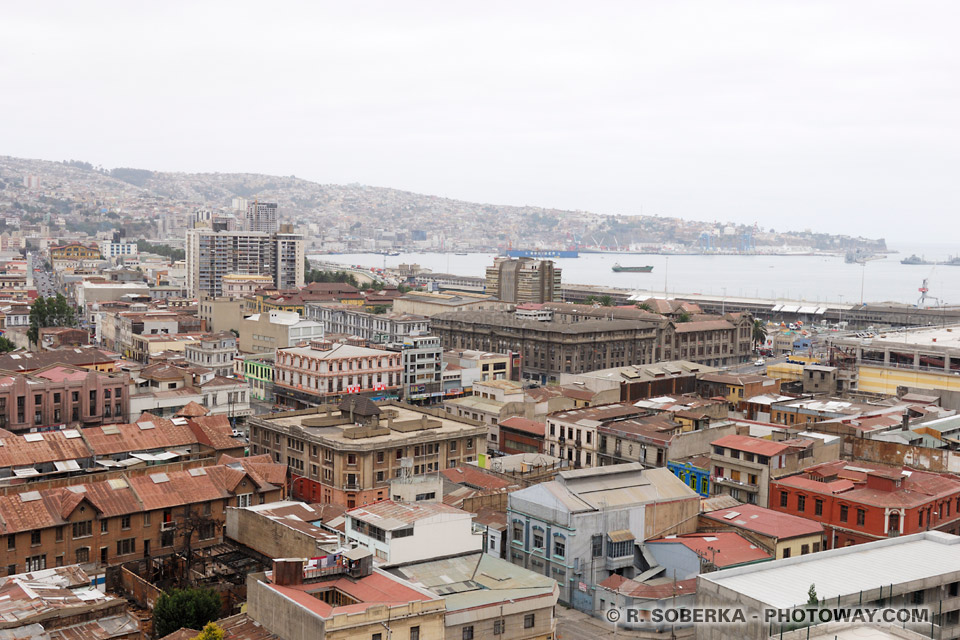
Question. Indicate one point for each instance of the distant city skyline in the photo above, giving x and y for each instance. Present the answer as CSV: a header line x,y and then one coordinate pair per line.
x,y
840,118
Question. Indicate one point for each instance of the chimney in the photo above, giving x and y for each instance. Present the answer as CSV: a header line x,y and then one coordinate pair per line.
x,y
287,571
906,420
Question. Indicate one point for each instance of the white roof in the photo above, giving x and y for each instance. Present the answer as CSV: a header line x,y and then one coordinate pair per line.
x,y
844,571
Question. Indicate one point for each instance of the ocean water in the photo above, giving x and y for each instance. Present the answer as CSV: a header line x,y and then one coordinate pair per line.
x,y
806,278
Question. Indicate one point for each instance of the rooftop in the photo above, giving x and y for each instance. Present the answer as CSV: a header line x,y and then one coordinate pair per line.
x,y
721,548
758,446
390,515
402,423
476,580
613,486
845,571
336,351
768,522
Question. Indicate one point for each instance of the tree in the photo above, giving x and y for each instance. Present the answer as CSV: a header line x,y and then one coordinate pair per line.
x,y
759,332
6,345
191,608
211,632
683,317
49,312
378,309
643,306
606,301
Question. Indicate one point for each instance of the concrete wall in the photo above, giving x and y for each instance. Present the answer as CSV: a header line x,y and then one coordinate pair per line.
x,y
435,538
269,537
924,458
679,561
695,443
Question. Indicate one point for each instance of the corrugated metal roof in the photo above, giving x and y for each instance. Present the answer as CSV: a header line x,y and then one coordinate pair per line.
x,y
844,571
621,535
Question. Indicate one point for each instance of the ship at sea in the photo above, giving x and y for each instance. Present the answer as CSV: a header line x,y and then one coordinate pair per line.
x,y
618,269
915,260
541,253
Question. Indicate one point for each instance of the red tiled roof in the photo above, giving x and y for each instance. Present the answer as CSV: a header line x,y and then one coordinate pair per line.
x,y
474,477
749,444
768,522
533,427
25,511
122,438
722,548
192,409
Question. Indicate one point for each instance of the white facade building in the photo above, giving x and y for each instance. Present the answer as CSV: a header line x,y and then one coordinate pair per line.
x,y
398,533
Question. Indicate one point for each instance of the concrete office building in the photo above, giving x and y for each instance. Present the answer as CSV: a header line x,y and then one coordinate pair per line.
x,y
588,524
521,280
262,216
212,255
336,461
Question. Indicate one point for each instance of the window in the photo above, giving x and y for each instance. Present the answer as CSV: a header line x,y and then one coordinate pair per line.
x,y
34,538
537,540
377,636
529,621
597,544
468,633
786,552
36,563
379,456
453,446
104,526
83,555
499,627
517,532
801,503
125,546
559,547
804,549
146,519
82,529
59,534
351,458
244,500
844,510
783,498
861,517
818,507
415,633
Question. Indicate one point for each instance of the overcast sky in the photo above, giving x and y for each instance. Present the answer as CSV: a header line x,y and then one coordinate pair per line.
x,y
836,116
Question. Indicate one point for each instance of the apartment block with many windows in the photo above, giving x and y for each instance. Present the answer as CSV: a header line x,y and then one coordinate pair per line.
x,y
348,454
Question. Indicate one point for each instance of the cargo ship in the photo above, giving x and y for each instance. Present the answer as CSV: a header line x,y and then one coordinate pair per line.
x,y
541,253
618,269
915,260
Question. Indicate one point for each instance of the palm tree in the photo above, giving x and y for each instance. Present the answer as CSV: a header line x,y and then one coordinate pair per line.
x,y
643,306
759,332
606,301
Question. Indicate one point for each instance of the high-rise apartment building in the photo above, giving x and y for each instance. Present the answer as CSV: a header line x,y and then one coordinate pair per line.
x,y
262,216
521,280
212,255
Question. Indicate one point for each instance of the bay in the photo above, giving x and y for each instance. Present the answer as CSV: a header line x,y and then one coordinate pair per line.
x,y
805,278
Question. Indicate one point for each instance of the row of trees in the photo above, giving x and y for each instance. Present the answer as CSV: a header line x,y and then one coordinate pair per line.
x,y
161,250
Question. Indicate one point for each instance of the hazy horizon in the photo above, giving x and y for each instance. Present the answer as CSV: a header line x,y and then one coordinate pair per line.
x,y
840,118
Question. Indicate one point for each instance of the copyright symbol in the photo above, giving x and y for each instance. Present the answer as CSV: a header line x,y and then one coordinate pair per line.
x,y
613,615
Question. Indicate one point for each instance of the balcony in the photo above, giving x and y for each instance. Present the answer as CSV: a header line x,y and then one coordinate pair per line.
x,y
351,486
730,482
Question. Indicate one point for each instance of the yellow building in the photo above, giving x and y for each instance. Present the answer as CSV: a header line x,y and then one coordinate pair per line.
x,y
75,251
